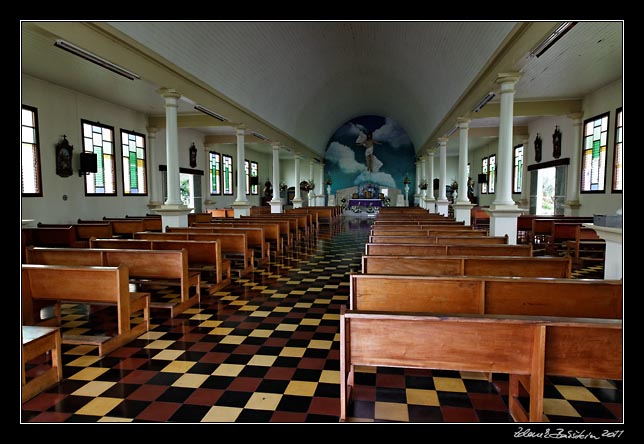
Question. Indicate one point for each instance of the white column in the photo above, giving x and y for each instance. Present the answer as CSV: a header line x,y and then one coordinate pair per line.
x,y
503,211
442,203
276,202
153,168
241,206
172,147
320,186
297,201
462,206
504,157
525,182
430,200
571,206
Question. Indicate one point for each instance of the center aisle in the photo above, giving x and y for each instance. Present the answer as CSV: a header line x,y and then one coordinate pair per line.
x,y
266,349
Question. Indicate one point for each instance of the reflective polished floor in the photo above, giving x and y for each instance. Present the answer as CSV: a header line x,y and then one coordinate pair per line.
x,y
266,350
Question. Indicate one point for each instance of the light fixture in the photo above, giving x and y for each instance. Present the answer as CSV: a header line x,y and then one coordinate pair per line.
x,y
211,113
483,102
552,39
452,131
80,52
259,136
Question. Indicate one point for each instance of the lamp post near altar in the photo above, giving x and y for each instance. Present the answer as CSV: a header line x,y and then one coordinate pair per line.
x,y
406,182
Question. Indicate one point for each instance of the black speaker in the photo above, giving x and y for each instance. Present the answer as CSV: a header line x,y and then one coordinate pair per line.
x,y
482,178
87,163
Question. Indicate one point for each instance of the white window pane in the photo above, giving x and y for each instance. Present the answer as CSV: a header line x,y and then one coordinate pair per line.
x,y
27,117
27,134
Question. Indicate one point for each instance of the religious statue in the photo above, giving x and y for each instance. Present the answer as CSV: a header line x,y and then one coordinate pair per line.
x,y
537,148
373,164
556,143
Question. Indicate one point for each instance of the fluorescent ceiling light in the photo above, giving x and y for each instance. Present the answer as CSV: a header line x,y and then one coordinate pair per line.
x,y
211,113
452,131
483,102
62,44
552,38
258,135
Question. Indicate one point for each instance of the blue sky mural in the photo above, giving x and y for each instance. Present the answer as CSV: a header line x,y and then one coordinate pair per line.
x,y
370,149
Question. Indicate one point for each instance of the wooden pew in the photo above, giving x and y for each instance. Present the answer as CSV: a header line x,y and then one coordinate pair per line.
x,y
525,347
203,256
144,267
83,232
272,231
447,250
54,236
233,246
43,284
288,227
586,246
441,240
554,267
38,341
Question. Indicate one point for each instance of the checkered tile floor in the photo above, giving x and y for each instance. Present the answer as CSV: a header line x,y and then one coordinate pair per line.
x,y
266,349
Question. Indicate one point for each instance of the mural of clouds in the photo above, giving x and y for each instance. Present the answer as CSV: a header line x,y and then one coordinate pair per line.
x,y
383,179
344,157
392,133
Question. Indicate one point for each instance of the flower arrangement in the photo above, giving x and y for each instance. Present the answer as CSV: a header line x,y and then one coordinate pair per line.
x,y
283,187
423,184
454,185
307,185
329,181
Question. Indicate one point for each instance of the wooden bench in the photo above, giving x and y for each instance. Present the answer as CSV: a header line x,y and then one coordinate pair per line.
x,y
441,240
203,256
144,266
36,342
43,284
586,246
272,230
426,249
553,267
83,232
122,227
525,347
233,246
51,236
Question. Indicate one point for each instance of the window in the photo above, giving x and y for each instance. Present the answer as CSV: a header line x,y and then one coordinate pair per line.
x,y
30,153
468,169
228,174
99,139
491,178
247,175
517,172
134,163
593,167
254,188
215,173
617,155
484,171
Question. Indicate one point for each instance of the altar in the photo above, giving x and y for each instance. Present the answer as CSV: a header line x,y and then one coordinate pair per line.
x,y
365,203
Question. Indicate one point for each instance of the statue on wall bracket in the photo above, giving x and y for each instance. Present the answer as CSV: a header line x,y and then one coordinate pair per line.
x,y
556,143
64,158
537,148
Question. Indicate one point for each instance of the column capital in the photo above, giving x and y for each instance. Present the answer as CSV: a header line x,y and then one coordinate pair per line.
x,y
297,156
507,79
442,141
576,117
168,93
241,130
152,131
463,122
275,146
431,151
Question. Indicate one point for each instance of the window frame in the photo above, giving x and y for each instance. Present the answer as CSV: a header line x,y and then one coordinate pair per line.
x,y
254,189
145,162
232,181
484,170
86,178
583,150
211,180
619,115
38,164
247,175
491,176
519,183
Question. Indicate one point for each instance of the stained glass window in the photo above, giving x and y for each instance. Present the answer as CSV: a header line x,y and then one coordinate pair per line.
x,y
99,139
484,171
247,175
215,173
254,172
227,166
517,172
618,174
30,153
491,178
134,163
593,167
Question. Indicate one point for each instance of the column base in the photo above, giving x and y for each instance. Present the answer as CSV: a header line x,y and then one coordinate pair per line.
x,y
430,205
571,208
331,202
613,256
503,221
209,204
400,200
297,203
442,207
173,215
463,212
153,205
241,208
276,206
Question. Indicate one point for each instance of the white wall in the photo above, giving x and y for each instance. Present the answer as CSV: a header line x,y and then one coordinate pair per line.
x,y
60,111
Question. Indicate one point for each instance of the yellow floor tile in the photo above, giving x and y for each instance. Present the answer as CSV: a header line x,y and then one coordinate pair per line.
x,y
294,352
263,401
88,374
282,309
168,355
178,367
449,384
221,414
576,393
316,343
232,339
159,344
330,376
99,406
481,376
391,411
84,361
260,333
190,380
93,388
301,388
559,407
114,419
422,397
286,327
228,370
597,383
310,322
